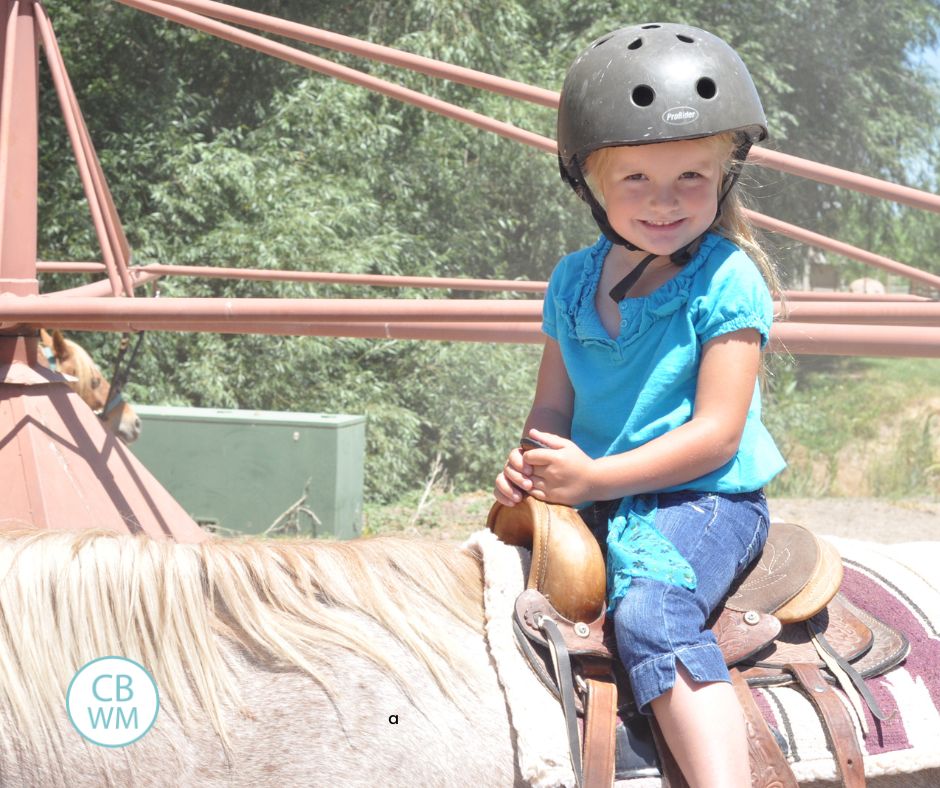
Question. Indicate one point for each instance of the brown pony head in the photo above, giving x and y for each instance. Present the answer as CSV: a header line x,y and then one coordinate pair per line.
x,y
72,359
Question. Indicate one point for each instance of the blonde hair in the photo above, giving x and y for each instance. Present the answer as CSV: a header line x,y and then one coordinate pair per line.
x,y
731,222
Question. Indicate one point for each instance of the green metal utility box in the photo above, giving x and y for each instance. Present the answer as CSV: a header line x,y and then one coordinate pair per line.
x,y
240,470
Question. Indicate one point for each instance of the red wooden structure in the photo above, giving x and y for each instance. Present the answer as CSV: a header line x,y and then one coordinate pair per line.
x,y
60,469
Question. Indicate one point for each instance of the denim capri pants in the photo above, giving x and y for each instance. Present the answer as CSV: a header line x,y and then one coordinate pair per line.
x,y
657,623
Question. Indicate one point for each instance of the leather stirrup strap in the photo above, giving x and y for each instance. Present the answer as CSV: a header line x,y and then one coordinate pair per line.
x,y
769,767
600,732
836,721
563,675
853,675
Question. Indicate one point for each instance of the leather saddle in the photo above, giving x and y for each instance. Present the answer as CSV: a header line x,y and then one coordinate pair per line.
x,y
782,623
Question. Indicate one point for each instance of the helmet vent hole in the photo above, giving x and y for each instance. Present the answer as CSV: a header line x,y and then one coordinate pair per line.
x,y
685,39
706,88
635,44
643,95
602,40
649,27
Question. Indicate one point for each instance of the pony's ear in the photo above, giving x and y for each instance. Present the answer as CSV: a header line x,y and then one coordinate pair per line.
x,y
59,345
44,338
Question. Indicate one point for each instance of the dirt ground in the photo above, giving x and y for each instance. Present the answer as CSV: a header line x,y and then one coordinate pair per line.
x,y
869,519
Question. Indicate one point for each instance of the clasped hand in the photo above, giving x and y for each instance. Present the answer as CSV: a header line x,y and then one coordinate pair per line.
x,y
560,473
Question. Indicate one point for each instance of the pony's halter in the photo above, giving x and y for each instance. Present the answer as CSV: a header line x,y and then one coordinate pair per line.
x,y
120,375
51,360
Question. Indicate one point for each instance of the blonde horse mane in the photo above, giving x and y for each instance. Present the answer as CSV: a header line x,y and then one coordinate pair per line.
x,y
67,598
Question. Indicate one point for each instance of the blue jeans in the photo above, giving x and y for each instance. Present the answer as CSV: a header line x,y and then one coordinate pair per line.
x,y
658,623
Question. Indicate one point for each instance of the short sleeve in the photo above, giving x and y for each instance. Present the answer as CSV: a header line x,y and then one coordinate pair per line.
x,y
735,297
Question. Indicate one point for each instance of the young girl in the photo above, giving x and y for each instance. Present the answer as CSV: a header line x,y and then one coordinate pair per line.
x,y
647,402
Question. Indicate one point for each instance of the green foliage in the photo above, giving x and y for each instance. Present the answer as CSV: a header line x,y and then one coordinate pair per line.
x,y
912,465
221,156
872,421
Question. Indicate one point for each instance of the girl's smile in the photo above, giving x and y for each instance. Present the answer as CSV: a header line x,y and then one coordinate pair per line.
x,y
661,196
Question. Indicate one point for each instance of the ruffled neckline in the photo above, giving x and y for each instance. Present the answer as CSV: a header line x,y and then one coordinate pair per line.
x,y
637,314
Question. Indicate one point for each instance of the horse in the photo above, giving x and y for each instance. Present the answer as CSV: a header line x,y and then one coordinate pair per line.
x,y
70,358
279,663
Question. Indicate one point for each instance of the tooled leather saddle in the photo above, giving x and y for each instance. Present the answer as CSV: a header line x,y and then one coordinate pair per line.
x,y
784,622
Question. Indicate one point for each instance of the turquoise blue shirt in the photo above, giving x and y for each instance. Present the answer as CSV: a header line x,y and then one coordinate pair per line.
x,y
641,384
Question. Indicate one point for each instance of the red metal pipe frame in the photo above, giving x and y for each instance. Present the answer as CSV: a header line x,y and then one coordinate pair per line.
x,y
832,295
7,84
383,54
114,247
175,10
377,280
783,162
19,100
825,173
146,273
842,340
351,75
792,338
882,313
60,267
307,309
218,313
142,274
842,248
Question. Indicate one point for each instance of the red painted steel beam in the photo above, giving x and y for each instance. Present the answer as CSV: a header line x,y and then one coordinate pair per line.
x,y
61,468
824,173
325,277
838,295
843,340
261,44
114,247
383,54
881,313
19,152
842,248
156,270
220,311
351,75
149,272
792,338
782,162
506,332
101,288
217,312
50,267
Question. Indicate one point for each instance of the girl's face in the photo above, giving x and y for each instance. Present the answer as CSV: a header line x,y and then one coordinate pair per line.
x,y
661,196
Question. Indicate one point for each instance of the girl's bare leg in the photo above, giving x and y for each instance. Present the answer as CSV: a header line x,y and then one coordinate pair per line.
x,y
704,727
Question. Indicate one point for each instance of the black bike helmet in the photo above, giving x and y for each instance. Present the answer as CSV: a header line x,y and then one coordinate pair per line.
x,y
654,83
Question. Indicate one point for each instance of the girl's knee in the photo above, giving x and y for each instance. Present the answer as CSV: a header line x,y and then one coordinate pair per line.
x,y
640,622
652,618
637,607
